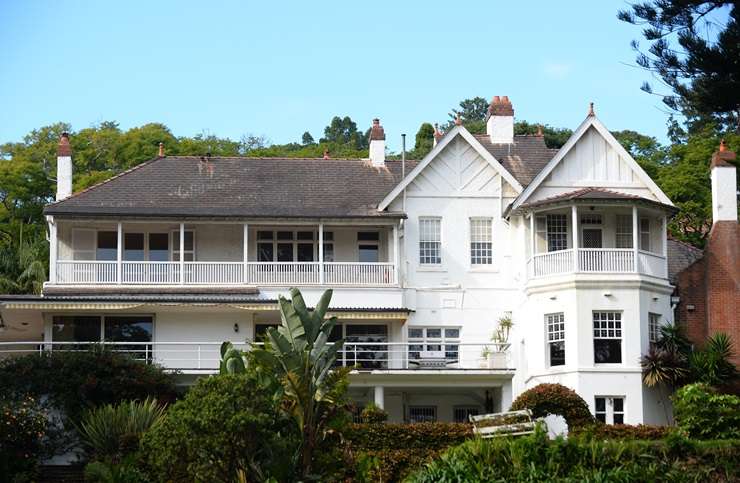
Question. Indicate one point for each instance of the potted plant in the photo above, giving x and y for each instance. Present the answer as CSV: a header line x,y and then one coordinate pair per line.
x,y
497,357
484,356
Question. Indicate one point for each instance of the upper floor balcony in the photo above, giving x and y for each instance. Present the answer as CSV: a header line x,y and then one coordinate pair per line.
x,y
222,254
610,237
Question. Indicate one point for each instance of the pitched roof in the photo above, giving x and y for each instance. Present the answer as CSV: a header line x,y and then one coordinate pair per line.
x,y
523,159
192,186
593,194
680,256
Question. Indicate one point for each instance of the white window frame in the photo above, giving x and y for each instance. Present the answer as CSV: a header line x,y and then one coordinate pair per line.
x,y
645,243
375,243
481,241
554,333
604,332
564,233
623,231
437,244
609,411
442,341
654,324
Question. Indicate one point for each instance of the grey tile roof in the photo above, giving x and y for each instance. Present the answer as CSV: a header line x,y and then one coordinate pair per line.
x,y
191,186
595,194
524,159
680,256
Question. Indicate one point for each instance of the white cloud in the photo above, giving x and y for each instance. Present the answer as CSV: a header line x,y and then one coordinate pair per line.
x,y
556,70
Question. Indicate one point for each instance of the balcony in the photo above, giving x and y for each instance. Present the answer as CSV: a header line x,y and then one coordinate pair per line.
x,y
204,357
597,260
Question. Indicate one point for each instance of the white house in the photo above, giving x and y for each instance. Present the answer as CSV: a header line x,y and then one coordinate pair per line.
x,y
170,258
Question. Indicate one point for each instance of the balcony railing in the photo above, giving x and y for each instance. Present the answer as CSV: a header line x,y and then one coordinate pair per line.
x,y
226,273
596,260
205,356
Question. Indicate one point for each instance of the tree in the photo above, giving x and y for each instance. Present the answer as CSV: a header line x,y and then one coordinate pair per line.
x,y
298,352
472,112
343,131
555,137
307,138
423,142
695,51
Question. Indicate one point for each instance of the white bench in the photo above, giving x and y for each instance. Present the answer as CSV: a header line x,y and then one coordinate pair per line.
x,y
485,425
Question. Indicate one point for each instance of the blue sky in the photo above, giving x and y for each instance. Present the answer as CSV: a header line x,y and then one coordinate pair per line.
x,y
281,68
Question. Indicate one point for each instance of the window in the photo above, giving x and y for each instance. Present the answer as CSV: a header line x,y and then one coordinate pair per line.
x,y
133,247
159,245
289,246
260,331
609,409
434,339
367,246
430,241
645,234
591,219
481,241
422,414
653,327
75,328
360,345
607,337
328,246
556,338
284,251
265,248
95,328
461,414
557,233
189,252
83,244
624,231
107,248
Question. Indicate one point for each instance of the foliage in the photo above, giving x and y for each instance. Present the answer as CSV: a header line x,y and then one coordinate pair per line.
x,y
75,381
621,431
472,112
343,131
298,352
545,399
693,49
109,432
307,138
703,413
711,364
232,360
423,141
535,458
555,137
23,262
662,367
373,414
501,334
124,472
224,424
23,425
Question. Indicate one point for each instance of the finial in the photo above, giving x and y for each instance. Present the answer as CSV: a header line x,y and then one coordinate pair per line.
x,y
161,150
722,146
591,109
458,120
437,134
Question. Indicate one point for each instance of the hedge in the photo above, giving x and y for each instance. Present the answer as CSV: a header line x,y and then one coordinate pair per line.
x,y
703,413
622,431
545,399
535,458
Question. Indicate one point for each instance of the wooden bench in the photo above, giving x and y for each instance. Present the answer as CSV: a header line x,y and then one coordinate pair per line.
x,y
486,425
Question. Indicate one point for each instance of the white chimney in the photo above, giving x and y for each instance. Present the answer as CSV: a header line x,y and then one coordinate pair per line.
x,y
724,185
377,144
64,168
500,122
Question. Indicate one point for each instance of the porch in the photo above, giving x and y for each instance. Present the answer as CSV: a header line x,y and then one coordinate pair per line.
x,y
138,253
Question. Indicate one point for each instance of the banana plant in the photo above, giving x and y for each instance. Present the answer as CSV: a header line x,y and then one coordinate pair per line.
x,y
301,356
232,360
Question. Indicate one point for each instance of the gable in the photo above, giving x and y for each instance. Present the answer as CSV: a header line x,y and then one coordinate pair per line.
x,y
458,170
593,158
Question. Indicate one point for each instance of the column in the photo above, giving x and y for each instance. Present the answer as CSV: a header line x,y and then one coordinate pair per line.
x,y
379,396
119,253
396,256
182,253
321,253
574,219
664,235
506,397
53,250
532,261
635,235
245,252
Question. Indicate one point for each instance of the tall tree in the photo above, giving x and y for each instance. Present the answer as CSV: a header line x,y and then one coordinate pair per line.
x,y
343,131
695,51
472,112
307,138
423,142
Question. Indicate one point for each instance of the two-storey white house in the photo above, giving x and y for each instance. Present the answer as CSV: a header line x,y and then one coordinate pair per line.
x,y
425,257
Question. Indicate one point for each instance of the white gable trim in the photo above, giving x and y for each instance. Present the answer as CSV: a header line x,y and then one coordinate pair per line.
x,y
454,132
592,121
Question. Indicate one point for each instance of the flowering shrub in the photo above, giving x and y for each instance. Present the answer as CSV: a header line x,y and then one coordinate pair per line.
x,y
545,399
22,429
703,413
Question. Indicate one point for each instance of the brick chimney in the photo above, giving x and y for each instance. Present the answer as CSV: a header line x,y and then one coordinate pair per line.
x,y
500,120
724,185
64,168
377,144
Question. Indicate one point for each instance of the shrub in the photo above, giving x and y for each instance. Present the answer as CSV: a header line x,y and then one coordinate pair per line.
x,y
704,414
110,432
373,414
622,431
224,424
23,425
545,399
76,381
535,458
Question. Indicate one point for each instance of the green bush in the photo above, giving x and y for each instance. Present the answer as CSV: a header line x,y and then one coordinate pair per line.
x,y
76,381
622,431
704,414
535,458
224,424
23,425
545,399
373,414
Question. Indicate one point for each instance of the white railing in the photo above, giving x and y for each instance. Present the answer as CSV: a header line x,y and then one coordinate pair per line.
x,y
150,272
88,272
652,264
214,273
350,273
606,260
205,356
596,260
283,273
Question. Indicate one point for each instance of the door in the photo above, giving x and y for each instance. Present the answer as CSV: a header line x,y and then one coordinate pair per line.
x,y
592,238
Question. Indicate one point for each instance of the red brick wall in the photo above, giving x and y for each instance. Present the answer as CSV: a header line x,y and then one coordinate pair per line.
x,y
692,311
